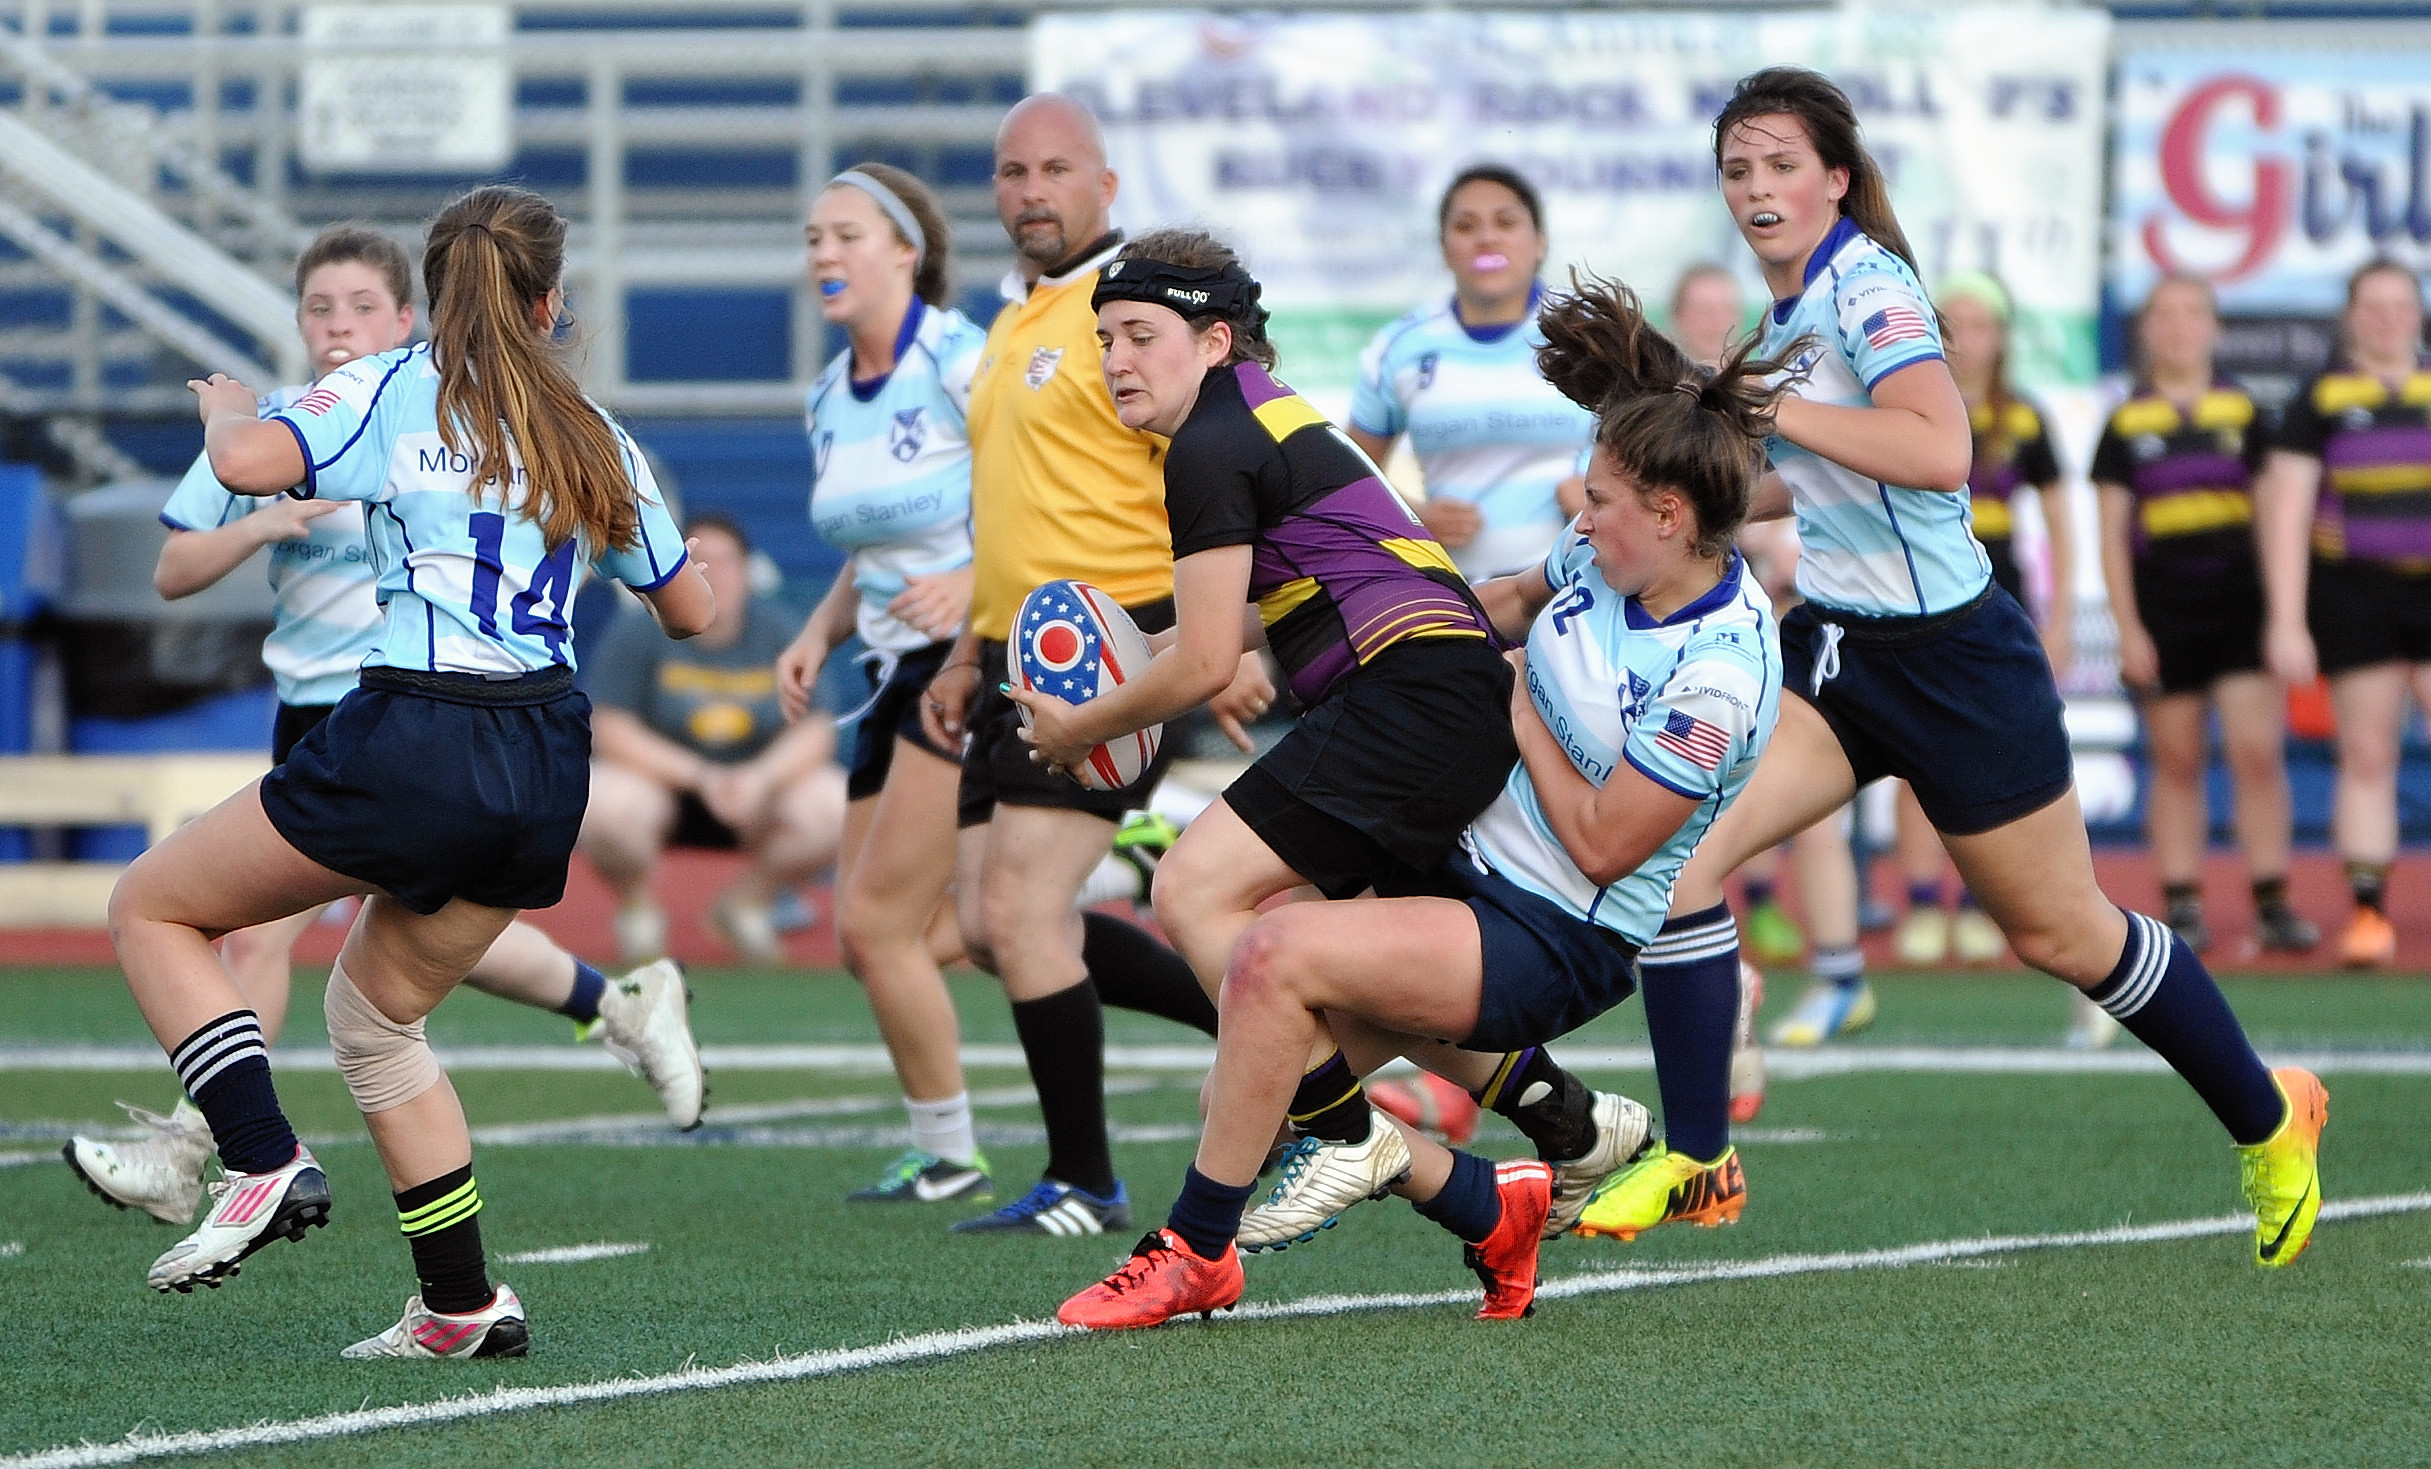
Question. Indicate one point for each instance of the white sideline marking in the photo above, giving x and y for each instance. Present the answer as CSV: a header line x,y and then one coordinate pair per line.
x,y
576,1254
20,1159
2422,1264
936,1345
872,1059
12,1249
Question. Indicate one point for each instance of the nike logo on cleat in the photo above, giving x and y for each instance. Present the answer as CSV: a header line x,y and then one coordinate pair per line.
x,y
2270,1251
932,1193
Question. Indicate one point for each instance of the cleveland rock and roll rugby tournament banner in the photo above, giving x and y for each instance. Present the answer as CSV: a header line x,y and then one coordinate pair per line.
x,y
1317,144
2275,170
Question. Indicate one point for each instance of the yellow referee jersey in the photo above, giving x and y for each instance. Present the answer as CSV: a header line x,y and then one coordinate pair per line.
x,y
1059,488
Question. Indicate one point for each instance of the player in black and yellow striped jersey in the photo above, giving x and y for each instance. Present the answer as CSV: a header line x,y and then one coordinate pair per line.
x,y
2344,525
1059,488
2174,470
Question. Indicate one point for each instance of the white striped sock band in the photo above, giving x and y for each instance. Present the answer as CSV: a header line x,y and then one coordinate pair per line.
x,y
2149,942
219,1045
1692,945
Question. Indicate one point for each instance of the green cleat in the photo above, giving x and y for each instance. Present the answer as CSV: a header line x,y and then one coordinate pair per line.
x,y
1774,937
925,1178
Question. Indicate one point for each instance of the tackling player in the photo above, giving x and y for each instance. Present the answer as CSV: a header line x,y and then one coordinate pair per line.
x,y
891,451
1903,662
1653,679
447,788
354,292
1496,441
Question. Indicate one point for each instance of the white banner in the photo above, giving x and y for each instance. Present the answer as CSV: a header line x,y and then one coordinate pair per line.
x,y
1318,143
406,89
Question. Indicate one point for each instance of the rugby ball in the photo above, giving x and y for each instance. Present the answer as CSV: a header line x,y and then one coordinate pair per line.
x,y
1074,642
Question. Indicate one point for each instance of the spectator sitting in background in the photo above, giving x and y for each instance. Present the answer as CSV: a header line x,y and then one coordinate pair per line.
x,y
689,749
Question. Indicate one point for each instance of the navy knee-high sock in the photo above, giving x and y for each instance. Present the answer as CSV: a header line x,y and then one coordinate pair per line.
x,y
2165,997
225,1068
1690,975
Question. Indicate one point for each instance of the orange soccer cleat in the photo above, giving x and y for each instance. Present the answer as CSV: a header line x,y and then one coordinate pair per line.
x,y
1506,1261
1430,1104
1162,1279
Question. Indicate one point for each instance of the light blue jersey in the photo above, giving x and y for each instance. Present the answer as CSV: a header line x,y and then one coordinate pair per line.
x,y
1485,425
1689,702
469,585
891,466
1870,548
327,615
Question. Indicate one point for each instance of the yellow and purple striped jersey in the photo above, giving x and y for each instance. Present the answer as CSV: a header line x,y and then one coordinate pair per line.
x,y
2190,469
2374,442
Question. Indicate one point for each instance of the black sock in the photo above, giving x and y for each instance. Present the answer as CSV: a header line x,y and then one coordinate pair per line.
x,y
1691,978
1132,971
1926,894
583,1004
1330,1103
1757,891
2270,894
225,1068
1553,1108
2165,997
1208,1214
2370,883
1469,1205
441,1219
2182,904
1063,1035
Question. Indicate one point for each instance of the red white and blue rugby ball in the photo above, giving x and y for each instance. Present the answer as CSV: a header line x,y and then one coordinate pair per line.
x,y
1075,642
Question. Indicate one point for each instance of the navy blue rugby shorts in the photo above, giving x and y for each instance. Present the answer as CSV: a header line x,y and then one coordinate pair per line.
x,y
1546,971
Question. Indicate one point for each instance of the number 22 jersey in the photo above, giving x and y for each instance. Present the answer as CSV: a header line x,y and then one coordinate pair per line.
x,y
468,583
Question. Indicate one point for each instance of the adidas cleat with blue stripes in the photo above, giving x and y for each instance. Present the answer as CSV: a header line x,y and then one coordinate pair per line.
x,y
1054,1208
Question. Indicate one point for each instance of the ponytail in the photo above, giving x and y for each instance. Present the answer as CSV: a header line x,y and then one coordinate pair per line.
x,y
494,255
1665,421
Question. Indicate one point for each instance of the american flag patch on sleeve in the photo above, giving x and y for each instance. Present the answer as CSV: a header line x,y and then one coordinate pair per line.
x,y
1693,740
1894,324
316,402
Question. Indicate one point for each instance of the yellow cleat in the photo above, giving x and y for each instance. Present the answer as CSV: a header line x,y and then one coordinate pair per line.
x,y
1825,1011
1666,1188
2282,1173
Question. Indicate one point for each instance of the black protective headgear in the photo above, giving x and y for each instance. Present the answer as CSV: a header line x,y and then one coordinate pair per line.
x,y
1188,291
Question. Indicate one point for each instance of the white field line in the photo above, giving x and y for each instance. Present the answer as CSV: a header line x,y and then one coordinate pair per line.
x,y
577,1254
12,1249
935,1346
872,1059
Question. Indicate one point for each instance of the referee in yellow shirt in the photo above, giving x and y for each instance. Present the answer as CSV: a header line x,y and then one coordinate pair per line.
x,y
1059,488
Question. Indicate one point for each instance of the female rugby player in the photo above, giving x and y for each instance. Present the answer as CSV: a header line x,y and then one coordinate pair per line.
x,y
1406,734
447,789
2013,453
1903,662
1656,659
891,453
1496,441
2344,505
354,293
2173,470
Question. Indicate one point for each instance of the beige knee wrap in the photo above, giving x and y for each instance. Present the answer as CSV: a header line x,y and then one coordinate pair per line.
x,y
385,1064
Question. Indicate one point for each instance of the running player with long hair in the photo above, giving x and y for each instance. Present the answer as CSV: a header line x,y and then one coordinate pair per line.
x,y
1903,662
446,789
1459,379
891,451
354,295
1656,660
2343,512
1405,735
2173,468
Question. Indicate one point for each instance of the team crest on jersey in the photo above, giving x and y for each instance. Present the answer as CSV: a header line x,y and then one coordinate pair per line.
x,y
1043,362
1633,699
907,433
316,402
1426,370
822,444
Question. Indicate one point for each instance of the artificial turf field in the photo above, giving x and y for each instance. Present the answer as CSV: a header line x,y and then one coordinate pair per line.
x,y
2124,1346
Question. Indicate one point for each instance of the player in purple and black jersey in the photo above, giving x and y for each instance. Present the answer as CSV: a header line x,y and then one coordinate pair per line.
x,y
2173,469
2351,462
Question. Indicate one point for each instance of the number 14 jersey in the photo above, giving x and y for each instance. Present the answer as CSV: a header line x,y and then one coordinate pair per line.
x,y
469,585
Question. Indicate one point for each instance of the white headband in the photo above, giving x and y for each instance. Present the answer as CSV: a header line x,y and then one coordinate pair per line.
x,y
890,204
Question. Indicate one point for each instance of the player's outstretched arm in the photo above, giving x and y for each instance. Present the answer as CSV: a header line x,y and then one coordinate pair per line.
x,y
1512,602
195,559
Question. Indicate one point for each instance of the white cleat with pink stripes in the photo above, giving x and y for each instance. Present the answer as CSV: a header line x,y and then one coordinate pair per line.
x,y
496,1330
248,1211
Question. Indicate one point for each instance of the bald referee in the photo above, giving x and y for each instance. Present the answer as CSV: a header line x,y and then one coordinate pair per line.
x,y
1059,488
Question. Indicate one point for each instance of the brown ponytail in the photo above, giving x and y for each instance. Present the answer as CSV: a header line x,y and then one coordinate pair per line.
x,y
493,256
1831,125
1663,419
